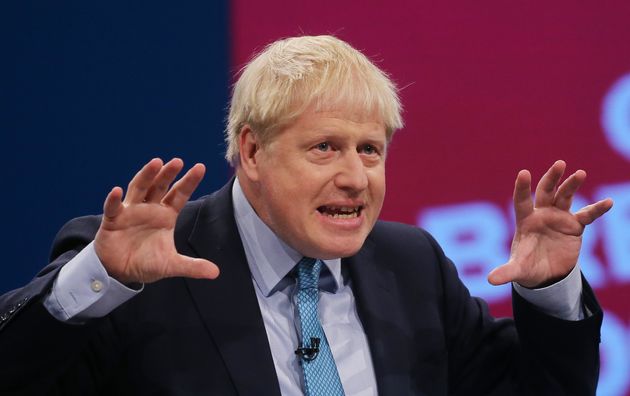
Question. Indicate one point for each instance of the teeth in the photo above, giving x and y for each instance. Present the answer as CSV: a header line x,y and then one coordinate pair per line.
x,y
341,212
344,216
347,209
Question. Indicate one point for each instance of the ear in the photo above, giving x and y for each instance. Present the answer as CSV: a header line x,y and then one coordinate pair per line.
x,y
248,148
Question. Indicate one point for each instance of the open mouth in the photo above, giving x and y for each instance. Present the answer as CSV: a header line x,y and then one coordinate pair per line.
x,y
341,212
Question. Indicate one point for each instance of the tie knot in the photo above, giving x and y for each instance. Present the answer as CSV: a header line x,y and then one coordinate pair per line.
x,y
308,273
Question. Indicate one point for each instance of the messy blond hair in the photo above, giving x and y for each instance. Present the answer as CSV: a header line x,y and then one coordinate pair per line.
x,y
289,75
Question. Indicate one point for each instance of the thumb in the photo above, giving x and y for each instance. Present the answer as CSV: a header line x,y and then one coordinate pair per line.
x,y
189,267
503,274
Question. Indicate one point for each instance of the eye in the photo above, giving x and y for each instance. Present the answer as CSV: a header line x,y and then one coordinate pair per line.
x,y
369,149
323,146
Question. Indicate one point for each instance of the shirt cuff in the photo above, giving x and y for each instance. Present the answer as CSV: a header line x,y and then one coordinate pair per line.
x,y
83,290
562,299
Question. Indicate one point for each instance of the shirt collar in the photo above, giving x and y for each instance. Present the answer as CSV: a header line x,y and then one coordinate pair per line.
x,y
270,259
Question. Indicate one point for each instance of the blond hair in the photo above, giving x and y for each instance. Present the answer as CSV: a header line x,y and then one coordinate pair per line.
x,y
289,75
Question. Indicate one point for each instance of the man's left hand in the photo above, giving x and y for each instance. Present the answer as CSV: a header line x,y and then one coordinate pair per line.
x,y
548,236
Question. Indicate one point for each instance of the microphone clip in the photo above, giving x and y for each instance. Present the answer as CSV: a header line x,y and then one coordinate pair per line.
x,y
309,353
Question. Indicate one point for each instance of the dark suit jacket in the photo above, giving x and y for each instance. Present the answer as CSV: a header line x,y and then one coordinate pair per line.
x,y
427,336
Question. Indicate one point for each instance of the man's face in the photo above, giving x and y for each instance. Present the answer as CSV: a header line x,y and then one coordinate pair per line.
x,y
321,182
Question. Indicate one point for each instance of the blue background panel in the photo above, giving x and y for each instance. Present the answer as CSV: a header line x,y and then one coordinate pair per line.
x,y
89,92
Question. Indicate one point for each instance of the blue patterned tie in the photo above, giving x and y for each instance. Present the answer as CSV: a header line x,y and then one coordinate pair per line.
x,y
320,373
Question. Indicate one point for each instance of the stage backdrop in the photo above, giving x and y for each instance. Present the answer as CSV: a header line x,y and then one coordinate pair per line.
x,y
90,92
489,90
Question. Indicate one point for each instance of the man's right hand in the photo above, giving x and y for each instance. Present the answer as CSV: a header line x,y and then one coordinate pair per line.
x,y
135,240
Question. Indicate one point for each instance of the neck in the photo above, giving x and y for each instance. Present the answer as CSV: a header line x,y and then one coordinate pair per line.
x,y
250,190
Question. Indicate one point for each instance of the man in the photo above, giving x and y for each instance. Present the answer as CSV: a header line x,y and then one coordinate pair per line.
x,y
315,295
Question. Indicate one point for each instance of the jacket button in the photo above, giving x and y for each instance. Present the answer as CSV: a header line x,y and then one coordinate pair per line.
x,y
3,317
12,309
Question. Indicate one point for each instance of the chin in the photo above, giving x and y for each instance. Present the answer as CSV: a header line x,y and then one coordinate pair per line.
x,y
339,248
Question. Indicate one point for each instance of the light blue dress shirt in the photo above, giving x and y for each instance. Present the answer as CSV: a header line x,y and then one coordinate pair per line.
x,y
270,260
83,290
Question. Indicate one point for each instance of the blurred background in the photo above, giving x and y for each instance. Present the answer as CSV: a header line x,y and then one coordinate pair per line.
x,y
90,91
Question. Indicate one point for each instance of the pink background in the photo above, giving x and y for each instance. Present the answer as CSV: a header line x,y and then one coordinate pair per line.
x,y
488,91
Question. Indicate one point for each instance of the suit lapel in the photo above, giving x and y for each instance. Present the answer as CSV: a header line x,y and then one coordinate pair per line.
x,y
228,304
229,307
379,308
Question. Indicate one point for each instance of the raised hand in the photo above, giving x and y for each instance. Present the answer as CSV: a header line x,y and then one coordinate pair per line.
x,y
135,240
548,236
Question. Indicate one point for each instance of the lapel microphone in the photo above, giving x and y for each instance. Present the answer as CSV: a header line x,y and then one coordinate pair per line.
x,y
308,353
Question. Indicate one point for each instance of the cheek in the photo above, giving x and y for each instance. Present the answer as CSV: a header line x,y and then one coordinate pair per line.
x,y
285,195
377,182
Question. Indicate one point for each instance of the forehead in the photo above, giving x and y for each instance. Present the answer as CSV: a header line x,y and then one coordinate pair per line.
x,y
352,108
338,120
343,110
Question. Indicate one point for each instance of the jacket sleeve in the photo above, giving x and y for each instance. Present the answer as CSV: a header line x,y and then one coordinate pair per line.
x,y
534,354
35,346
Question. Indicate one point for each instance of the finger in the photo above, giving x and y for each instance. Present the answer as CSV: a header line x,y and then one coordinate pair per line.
x,y
568,188
546,188
189,267
142,181
163,180
523,205
181,191
506,273
590,213
113,203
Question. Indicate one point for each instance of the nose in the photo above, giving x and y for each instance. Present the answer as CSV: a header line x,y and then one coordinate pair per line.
x,y
352,172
